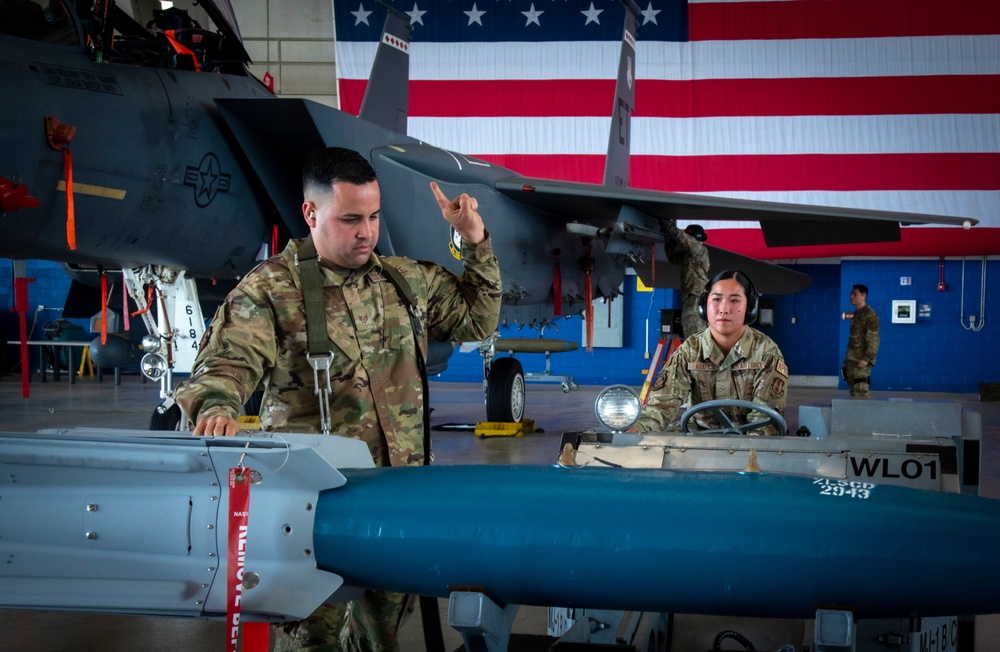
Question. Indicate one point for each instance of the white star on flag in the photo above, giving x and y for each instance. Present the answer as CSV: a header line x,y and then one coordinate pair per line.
x,y
532,15
592,15
416,16
649,14
361,15
475,16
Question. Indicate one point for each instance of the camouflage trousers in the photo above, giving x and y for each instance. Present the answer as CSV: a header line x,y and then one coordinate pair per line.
x,y
857,379
369,624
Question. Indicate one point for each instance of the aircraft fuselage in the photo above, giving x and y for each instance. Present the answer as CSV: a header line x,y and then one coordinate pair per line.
x,y
155,177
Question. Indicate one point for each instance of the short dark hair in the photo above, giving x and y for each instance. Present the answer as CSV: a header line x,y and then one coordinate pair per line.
x,y
863,289
326,166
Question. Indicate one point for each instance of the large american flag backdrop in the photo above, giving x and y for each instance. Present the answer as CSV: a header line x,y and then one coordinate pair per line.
x,y
881,104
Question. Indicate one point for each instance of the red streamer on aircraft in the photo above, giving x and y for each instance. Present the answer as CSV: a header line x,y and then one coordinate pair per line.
x,y
59,136
104,308
179,48
70,211
21,306
149,301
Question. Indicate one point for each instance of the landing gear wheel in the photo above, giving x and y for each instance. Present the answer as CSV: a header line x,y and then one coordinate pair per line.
x,y
505,391
165,418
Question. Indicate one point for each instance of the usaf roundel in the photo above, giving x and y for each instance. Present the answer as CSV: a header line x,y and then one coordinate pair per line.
x,y
207,179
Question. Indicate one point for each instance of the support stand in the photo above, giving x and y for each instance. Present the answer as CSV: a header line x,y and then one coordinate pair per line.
x,y
565,380
484,625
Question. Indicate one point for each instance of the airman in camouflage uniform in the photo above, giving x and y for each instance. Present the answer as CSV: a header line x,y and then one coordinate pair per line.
x,y
687,250
728,360
862,344
259,336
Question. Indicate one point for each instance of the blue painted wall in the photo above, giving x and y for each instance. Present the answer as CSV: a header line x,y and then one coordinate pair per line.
x,y
937,353
46,296
49,290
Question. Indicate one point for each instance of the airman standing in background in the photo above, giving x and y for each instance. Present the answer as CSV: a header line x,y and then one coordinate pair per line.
x,y
862,344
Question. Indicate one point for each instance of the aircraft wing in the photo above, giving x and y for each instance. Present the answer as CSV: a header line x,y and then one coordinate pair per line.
x,y
768,278
783,225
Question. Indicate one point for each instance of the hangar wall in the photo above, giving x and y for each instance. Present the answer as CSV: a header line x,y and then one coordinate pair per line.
x,y
936,354
294,42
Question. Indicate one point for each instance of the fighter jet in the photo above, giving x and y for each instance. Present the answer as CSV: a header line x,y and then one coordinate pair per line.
x,y
150,149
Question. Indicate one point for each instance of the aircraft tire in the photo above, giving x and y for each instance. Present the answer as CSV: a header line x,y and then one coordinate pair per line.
x,y
505,391
165,418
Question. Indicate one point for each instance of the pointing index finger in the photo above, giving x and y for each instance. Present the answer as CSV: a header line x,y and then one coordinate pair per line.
x,y
443,201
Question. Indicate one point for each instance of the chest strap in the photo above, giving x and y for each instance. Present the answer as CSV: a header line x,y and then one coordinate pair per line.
x,y
320,356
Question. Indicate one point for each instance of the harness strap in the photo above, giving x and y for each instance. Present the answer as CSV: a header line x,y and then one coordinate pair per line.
x,y
320,356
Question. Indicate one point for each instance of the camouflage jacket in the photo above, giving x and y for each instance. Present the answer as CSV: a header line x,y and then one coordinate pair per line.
x,y
862,343
754,370
692,256
258,337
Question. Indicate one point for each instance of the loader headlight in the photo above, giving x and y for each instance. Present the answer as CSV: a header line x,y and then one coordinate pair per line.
x,y
153,366
150,344
617,407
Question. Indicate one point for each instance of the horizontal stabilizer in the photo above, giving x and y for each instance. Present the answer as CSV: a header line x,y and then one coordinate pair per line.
x,y
783,225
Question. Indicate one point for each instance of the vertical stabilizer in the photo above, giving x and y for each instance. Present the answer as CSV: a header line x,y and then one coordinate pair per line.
x,y
387,99
616,167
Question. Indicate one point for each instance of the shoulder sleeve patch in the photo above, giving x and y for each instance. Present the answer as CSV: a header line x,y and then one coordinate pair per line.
x,y
781,368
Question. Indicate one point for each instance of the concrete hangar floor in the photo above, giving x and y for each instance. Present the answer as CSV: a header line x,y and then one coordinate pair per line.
x,y
88,403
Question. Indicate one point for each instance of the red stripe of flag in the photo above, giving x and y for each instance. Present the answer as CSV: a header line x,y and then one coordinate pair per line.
x,y
819,19
924,95
787,172
921,95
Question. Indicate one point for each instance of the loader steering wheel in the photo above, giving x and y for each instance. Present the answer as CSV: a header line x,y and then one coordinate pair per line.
x,y
771,417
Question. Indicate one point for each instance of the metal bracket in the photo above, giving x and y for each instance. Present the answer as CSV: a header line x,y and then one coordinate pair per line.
x,y
484,625
322,363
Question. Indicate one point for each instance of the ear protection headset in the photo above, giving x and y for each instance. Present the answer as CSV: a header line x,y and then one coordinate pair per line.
x,y
753,299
